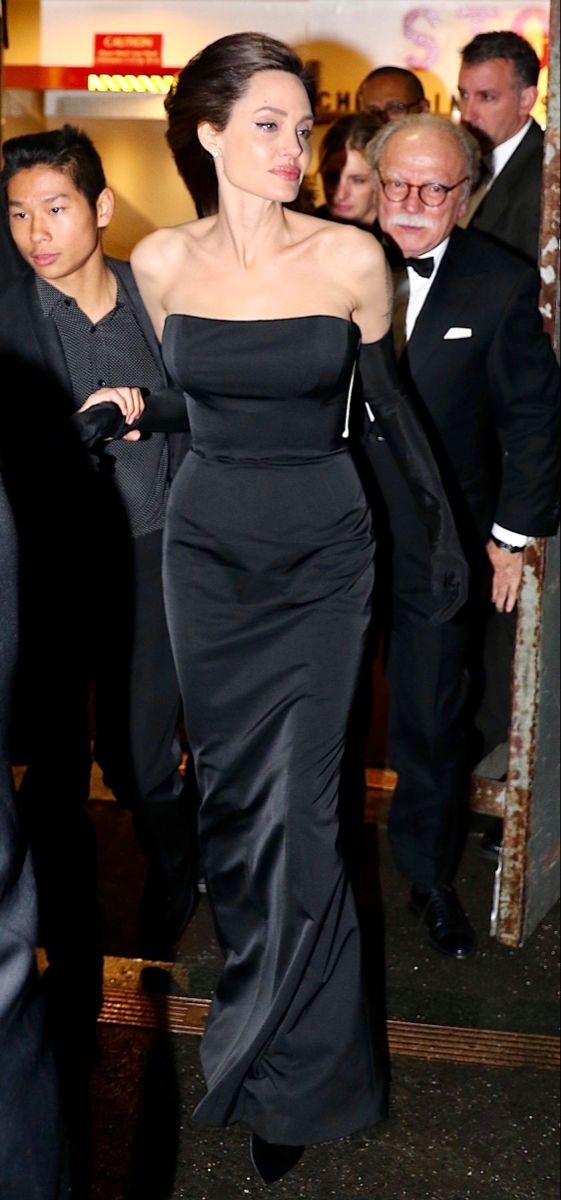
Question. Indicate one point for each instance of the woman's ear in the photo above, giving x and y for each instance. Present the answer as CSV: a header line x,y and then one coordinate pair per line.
x,y
105,207
208,137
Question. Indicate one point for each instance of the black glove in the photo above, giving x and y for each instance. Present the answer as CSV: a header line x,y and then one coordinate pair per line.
x,y
165,412
398,423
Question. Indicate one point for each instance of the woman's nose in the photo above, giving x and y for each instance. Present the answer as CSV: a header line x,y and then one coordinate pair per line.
x,y
293,146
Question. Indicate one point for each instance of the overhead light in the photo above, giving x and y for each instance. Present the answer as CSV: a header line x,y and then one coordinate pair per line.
x,y
155,85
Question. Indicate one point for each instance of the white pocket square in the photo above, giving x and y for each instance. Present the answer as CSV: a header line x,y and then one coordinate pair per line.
x,y
456,334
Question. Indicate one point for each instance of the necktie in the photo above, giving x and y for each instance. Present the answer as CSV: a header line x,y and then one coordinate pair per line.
x,y
423,266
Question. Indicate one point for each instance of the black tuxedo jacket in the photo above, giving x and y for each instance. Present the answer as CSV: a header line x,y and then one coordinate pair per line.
x,y
41,453
485,381
27,335
511,210
68,512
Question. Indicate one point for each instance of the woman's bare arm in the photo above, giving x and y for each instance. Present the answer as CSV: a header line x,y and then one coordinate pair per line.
x,y
360,264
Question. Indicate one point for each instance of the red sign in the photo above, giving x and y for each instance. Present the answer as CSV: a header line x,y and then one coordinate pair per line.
x,y
136,51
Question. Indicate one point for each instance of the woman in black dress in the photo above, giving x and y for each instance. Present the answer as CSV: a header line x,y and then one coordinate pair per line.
x,y
268,567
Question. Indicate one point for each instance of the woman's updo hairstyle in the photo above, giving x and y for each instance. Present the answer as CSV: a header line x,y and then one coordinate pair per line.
x,y
207,89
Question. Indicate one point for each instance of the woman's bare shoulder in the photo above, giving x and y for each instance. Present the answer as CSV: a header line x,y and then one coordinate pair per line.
x,y
164,245
358,247
343,240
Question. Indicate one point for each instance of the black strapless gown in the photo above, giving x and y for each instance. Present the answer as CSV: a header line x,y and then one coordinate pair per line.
x,y
268,578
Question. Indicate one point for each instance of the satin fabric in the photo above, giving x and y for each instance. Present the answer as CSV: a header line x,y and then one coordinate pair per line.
x,y
268,570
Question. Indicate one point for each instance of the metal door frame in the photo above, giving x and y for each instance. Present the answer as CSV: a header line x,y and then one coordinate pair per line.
x,y
528,801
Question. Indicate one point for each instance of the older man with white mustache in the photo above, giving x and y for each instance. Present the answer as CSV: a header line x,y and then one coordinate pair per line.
x,y
482,373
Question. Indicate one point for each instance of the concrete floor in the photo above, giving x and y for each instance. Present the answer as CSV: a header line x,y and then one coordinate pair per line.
x,y
456,1131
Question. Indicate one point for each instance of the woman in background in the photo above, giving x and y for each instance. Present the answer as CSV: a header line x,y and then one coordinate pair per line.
x,y
348,180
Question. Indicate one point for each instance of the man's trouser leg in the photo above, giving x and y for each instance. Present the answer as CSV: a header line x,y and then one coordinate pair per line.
x,y
138,713
427,676
428,687
30,1126
54,680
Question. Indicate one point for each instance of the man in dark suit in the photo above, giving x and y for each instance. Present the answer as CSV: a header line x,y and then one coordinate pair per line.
x,y
483,376
498,89
390,93
90,532
30,1130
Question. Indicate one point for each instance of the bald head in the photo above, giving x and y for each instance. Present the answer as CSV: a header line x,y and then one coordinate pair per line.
x,y
391,93
425,168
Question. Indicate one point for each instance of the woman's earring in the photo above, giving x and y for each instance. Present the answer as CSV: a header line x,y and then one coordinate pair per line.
x,y
216,154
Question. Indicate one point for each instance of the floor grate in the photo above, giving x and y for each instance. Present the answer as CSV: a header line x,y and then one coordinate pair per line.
x,y
431,1043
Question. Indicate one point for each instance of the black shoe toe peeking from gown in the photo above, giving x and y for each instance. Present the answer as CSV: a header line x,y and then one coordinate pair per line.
x,y
271,1162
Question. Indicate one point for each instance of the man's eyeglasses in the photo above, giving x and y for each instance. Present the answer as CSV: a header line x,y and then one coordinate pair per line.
x,y
432,195
392,110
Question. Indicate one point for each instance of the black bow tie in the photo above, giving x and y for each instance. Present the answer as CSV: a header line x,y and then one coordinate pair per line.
x,y
423,266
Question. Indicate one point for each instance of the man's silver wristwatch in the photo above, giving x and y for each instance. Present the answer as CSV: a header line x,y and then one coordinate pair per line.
x,y
507,546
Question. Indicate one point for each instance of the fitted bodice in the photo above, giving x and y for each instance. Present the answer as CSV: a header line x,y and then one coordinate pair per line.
x,y
273,389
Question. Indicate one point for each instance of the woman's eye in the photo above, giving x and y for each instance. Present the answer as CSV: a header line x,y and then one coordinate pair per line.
x,y
305,133
268,125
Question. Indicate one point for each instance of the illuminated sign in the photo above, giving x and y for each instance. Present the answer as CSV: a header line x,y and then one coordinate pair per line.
x,y
423,25
155,85
133,51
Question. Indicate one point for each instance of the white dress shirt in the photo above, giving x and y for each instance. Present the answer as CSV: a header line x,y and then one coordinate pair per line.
x,y
419,288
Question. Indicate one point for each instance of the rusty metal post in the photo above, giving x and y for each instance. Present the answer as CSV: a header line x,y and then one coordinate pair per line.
x,y
550,306
511,878
528,878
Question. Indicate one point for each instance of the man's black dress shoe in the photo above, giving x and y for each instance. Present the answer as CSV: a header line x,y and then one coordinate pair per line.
x,y
273,1162
450,931
164,917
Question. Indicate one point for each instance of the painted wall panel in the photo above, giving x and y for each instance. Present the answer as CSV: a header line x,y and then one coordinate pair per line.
x,y
347,36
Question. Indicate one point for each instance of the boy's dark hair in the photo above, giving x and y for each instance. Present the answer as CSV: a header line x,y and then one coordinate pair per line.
x,y
67,149
510,46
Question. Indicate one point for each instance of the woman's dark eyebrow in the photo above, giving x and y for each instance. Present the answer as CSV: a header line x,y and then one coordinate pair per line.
x,y
280,112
